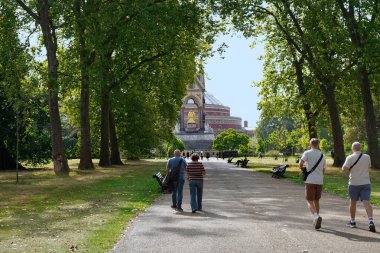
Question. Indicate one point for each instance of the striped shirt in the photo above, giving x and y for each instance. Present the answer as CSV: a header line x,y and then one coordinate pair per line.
x,y
195,171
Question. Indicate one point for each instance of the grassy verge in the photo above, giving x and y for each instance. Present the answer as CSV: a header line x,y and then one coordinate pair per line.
x,y
85,212
335,181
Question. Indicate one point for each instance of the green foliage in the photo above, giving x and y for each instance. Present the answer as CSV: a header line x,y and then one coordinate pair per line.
x,y
316,54
261,146
20,95
145,54
324,145
231,140
176,143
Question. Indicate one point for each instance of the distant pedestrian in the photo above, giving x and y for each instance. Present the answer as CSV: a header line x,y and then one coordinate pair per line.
x,y
260,155
202,156
176,167
187,155
207,155
195,172
314,159
359,185
217,156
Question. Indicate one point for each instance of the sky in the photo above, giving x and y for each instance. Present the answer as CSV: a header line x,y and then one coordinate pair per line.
x,y
230,79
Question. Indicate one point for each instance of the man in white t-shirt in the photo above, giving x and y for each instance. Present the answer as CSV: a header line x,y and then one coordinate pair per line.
x,y
359,185
314,182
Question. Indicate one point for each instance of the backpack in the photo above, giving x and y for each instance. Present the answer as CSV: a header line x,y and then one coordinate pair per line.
x,y
174,173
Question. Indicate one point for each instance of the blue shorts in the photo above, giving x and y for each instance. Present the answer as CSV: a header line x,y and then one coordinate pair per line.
x,y
362,192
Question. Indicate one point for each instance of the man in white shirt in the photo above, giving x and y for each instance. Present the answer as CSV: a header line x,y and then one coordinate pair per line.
x,y
359,185
314,182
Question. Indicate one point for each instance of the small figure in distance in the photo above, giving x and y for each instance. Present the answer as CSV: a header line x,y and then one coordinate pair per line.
x,y
359,185
195,172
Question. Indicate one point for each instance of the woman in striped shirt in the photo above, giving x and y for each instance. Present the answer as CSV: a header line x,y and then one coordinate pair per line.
x,y
195,172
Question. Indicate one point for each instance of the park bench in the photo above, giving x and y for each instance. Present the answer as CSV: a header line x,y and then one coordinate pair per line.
x,y
242,163
279,171
229,160
161,181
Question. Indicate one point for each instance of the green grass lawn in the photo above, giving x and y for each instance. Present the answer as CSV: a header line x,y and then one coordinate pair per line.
x,y
335,181
87,211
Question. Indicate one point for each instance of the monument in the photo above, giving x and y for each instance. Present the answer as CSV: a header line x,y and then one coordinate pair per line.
x,y
191,128
203,117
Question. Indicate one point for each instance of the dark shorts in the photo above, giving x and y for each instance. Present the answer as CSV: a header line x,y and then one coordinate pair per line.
x,y
362,192
313,191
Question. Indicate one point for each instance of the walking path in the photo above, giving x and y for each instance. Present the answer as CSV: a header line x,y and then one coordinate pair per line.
x,y
248,212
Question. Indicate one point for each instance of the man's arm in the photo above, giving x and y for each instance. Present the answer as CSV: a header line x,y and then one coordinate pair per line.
x,y
167,167
302,161
346,166
301,165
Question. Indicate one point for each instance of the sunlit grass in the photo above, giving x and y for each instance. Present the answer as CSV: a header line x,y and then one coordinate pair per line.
x,y
335,181
87,211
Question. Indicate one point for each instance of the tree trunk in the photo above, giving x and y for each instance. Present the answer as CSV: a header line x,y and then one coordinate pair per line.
x,y
61,166
310,116
115,154
336,127
85,137
370,117
104,159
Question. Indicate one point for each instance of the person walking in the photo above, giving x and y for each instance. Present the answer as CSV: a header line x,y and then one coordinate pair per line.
x,y
359,185
315,165
176,170
195,172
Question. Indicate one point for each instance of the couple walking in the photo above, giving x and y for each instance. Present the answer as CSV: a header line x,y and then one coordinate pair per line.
x,y
359,185
194,173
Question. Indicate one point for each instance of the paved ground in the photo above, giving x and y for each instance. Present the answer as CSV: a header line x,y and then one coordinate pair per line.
x,y
248,212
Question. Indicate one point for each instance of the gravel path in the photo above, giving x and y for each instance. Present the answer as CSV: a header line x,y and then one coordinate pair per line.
x,y
248,212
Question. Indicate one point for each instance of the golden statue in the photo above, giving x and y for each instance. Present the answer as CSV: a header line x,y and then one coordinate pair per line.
x,y
191,117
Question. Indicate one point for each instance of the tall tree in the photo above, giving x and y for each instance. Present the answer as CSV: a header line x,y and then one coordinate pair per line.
x,y
86,58
22,102
305,25
361,19
134,39
43,16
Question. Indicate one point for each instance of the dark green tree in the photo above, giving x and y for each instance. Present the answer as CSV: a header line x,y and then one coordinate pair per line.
x,y
230,140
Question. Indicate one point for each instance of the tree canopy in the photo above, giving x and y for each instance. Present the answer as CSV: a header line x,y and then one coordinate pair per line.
x,y
230,140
